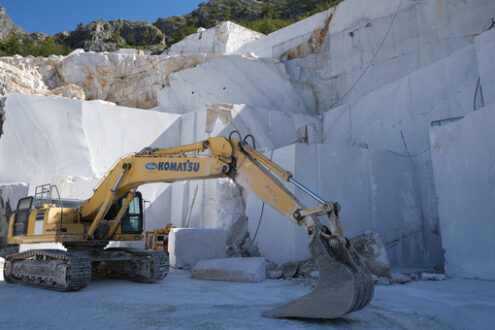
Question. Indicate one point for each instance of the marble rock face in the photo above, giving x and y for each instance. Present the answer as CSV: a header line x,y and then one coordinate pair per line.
x,y
373,196
225,38
235,80
278,42
32,75
128,78
485,46
271,128
371,44
463,154
59,136
397,117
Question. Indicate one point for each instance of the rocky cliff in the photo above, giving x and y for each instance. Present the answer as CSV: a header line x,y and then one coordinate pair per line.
x,y
108,36
6,25
127,77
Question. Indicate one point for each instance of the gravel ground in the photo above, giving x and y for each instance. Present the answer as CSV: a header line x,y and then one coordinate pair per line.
x,y
180,302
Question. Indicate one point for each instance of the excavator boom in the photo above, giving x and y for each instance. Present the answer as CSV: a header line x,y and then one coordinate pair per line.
x,y
345,284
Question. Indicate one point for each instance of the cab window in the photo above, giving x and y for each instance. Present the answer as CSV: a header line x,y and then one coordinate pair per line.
x,y
132,221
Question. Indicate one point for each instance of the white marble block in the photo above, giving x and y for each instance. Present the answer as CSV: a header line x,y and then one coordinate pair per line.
x,y
224,38
188,246
231,269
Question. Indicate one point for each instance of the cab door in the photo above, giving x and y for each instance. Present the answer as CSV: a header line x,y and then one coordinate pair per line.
x,y
21,216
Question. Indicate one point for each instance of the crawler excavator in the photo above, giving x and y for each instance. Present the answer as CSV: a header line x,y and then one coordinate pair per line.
x,y
114,213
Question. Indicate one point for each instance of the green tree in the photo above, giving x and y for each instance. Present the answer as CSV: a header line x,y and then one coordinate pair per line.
x,y
267,11
50,47
183,32
24,45
146,37
131,41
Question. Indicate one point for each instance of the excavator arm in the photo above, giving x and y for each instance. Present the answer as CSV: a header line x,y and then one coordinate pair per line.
x,y
345,284
226,158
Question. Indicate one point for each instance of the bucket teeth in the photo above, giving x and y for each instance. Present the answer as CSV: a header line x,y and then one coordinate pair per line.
x,y
342,288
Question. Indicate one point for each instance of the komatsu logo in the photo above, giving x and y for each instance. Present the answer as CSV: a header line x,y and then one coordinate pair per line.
x,y
151,166
186,166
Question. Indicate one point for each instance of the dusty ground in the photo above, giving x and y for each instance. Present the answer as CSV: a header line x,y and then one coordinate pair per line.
x,y
181,302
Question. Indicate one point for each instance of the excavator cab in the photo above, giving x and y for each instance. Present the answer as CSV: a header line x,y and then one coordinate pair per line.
x,y
21,216
37,207
132,220
46,210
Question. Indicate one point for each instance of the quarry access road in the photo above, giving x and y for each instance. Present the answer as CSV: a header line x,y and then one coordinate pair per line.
x,y
180,302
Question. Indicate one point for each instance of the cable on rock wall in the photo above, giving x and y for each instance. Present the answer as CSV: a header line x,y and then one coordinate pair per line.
x,y
371,61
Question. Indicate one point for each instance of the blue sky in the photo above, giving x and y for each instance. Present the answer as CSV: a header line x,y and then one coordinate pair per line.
x,y
52,16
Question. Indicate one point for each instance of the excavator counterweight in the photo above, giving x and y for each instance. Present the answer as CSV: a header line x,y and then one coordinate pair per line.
x,y
114,213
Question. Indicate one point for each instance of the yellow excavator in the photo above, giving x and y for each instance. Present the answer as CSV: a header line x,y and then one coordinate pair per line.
x,y
114,213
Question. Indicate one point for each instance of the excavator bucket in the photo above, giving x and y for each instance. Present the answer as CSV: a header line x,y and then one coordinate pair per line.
x,y
344,284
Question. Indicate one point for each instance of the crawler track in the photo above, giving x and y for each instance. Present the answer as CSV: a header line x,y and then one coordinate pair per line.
x,y
70,271
132,264
159,265
49,269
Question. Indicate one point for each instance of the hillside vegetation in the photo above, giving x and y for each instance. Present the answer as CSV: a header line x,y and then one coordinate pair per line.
x,y
262,16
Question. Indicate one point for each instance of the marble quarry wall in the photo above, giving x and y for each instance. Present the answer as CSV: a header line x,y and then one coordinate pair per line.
x,y
356,101
464,173
372,187
237,80
463,155
485,46
397,118
385,39
60,136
